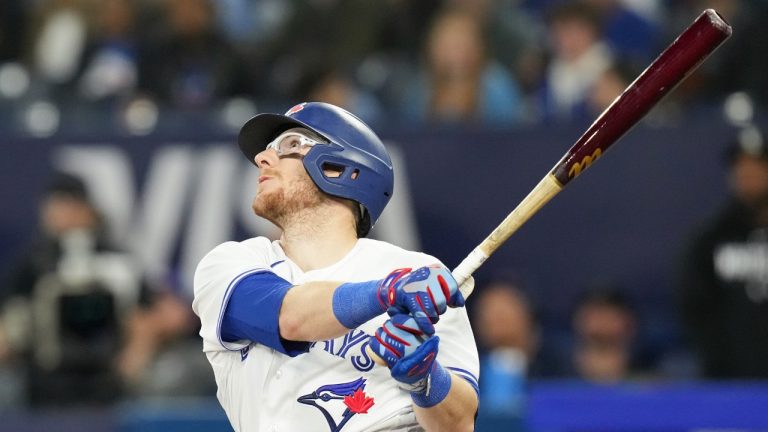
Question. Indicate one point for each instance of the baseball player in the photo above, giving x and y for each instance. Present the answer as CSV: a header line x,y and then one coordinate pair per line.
x,y
289,326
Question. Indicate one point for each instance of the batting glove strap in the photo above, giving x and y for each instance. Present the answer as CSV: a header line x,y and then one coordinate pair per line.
x,y
413,367
437,389
356,303
387,291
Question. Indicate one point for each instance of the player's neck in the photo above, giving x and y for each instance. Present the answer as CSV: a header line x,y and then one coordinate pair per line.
x,y
318,238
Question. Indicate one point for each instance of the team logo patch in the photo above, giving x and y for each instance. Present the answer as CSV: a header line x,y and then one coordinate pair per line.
x,y
295,109
339,402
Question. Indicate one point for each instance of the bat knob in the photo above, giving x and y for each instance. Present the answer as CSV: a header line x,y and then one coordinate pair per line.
x,y
467,287
375,357
463,272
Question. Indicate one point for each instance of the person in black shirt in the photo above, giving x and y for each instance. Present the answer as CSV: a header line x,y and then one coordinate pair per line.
x,y
725,283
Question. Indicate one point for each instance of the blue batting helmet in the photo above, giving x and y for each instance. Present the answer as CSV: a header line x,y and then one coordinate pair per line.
x,y
366,176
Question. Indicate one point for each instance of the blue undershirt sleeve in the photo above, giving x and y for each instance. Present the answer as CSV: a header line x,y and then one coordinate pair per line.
x,y
253,311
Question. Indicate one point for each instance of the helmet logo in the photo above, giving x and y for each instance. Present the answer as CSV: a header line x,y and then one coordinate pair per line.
x,y
295,109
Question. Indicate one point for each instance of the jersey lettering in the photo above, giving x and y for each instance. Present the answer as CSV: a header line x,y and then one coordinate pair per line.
x,y
361,362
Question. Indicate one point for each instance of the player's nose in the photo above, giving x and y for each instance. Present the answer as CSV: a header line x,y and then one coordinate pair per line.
x,y
265,158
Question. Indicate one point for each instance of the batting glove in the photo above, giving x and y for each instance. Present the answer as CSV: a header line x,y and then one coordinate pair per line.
x,y
424,293
411,357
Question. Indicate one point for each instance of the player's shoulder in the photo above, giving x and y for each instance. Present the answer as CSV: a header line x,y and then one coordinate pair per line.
x,y
389,252
232,258
257,243
234,250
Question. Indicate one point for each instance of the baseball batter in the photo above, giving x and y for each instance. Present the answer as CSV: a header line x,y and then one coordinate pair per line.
x,y
286,324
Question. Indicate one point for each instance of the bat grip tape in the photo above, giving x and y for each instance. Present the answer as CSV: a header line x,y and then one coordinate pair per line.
x,y
464,270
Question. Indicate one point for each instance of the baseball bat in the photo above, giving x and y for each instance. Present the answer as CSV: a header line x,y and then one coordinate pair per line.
x,y
669,69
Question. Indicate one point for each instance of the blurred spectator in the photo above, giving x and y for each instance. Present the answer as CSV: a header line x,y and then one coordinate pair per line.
x,y
338,88
604,325
608,87
318,35
249,21
629,34
579,58
460,83
515,37
58,36
189,64
63,307
725,285
161,354
649,9
109,63
508,336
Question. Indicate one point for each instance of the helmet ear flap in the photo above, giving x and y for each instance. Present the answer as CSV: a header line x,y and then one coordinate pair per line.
x,y
334,171
331,170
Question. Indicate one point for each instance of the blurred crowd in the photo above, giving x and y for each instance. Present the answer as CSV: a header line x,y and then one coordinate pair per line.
x,y
78,326
501,62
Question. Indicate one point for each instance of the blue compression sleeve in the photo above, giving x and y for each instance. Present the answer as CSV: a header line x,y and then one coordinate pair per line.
x,y
356,303
253,313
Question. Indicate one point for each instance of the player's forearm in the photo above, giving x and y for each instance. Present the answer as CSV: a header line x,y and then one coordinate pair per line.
x,y
324,310
307,313
455,413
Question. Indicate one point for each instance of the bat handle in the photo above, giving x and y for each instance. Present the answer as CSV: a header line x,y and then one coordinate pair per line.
x,y
463,275
463,272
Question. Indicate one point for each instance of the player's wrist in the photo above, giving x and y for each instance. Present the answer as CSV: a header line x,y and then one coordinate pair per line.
x,y
355,303
437,388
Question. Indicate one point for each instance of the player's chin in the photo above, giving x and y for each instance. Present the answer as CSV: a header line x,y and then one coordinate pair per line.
x,y
264,203
258,205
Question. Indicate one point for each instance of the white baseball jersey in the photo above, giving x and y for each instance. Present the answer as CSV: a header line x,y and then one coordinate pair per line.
x,y
333,387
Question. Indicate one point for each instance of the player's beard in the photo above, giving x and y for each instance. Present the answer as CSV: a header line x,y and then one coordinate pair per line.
x,y
288,202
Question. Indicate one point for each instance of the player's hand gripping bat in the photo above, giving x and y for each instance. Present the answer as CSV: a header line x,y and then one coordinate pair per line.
x,y
670,68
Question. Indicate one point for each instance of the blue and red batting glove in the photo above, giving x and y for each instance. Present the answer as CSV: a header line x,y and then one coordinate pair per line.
x,y
412,359
425,293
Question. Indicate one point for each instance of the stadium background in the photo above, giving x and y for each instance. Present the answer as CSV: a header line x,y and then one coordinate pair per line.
x,y
626,222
